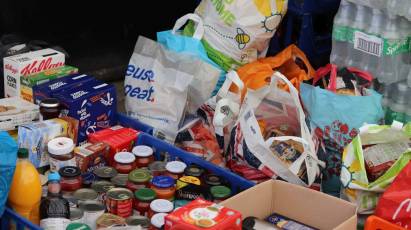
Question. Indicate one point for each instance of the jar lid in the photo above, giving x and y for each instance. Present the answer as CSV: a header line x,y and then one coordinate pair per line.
x,y
85,194
105,172
139,176
78,226
161,205
163,181
60,146
220,191
213,179
193,170
142,151
157,166
120,180
138,221
176,166
157,220
124,157
70,171
50,103
145,194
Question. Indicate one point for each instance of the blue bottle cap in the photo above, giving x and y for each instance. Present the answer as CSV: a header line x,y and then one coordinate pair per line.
x,y
53,176
163,181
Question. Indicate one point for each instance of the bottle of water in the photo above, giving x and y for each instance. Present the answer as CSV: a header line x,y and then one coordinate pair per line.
x,y
339,43
398,105
397,7
376,28
354,56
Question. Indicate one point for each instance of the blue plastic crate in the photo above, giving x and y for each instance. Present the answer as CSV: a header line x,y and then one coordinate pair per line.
x,y
312,6
10,217
126,121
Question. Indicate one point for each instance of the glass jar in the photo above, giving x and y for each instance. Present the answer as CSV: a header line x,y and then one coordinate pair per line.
x,y
49,108
120,180
164,187
70,178
61,153
144,155
124,162
175,169
220,193
157,168
143,198
160,206
213,180
137,179
194,170
157,221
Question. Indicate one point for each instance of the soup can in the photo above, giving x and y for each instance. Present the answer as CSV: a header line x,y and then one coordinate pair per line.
x,y
92,211
119,201
101,187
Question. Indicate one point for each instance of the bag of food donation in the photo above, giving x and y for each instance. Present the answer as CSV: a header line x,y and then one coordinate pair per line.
x,y
372,161
173,40
157,83
271,135
238,31
8,158
335,113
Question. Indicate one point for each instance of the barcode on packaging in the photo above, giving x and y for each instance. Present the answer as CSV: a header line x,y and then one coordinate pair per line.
x,y
368,43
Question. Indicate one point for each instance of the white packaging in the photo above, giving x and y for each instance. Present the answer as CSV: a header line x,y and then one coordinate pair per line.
x,y
28,63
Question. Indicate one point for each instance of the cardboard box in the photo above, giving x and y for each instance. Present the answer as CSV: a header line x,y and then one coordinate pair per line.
x,y
304,205
91,156
28,82
27,64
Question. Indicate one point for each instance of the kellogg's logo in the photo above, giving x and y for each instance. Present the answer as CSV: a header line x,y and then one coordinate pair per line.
x,y
10,68
37,66
138,91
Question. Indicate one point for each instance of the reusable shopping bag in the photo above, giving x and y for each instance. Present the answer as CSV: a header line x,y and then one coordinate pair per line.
x,y
394,204
238,31
335,120
157,83
173,40
357,187
271,135
8,158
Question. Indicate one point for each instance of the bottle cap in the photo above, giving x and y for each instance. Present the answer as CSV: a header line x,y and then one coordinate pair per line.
x,y
53,176
23,153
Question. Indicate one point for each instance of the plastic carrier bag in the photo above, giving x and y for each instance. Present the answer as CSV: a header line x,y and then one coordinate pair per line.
x,y
8,158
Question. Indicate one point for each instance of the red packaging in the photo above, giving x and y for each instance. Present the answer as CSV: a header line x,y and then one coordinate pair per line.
x,y
119,139
91,156
200,214
119,201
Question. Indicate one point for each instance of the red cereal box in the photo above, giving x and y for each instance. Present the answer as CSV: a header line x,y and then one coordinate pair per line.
x,y
201,214
119,139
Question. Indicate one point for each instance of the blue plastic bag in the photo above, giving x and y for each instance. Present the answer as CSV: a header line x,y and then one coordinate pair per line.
x,y
173,40
335,119
8,158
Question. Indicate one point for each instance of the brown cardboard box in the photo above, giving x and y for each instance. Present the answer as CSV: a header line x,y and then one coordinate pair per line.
x,y
307,206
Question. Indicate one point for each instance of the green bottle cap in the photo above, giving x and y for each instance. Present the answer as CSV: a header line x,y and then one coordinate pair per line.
x,y
145,194
23,153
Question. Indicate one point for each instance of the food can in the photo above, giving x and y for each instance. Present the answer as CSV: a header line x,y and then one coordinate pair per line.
x,y
107,220
85,194
101,187
76,215
142,221
120,180
105,172
119,201
92,210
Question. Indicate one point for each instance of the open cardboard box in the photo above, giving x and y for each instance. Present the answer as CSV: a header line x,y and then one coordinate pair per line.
x,y
307,206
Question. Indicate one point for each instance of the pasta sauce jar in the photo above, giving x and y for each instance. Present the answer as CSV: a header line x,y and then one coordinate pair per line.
x,y
61,153
160,206
124,162
175,169
143,198
138,179
70,178
144,155
164,187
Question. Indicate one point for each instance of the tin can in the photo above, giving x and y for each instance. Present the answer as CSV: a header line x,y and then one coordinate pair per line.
x,y
107,220
101,187
119,201
135,221
120,180
76,215
105,172
85,194
92,210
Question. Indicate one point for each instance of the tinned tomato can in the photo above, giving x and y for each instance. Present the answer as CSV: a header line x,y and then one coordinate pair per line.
x,y
119,201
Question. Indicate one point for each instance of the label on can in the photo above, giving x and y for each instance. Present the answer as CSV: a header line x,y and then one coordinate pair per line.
x,y
120,202
54,223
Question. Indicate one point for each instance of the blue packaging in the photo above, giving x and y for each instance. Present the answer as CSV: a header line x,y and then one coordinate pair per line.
x,y
50,88
94,105
8,158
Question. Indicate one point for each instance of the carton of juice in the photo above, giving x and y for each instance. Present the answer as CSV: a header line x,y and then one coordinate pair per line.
x,y
26,64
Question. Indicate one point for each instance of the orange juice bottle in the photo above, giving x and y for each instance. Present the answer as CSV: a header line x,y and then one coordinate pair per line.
x,y
25,190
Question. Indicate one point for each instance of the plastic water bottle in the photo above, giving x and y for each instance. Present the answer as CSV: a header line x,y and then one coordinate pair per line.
x,y
397,7
398,105
386,94
405,27
376,28
354,56
339,43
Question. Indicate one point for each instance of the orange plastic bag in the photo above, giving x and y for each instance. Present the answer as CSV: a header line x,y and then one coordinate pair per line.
x,y
291,62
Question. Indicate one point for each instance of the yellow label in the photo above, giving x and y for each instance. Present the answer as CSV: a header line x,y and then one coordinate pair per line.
x,y
26,93
185,180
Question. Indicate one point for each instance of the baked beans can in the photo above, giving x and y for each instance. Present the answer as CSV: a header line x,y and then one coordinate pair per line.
x,y
85,194
92,211
101,187
119,201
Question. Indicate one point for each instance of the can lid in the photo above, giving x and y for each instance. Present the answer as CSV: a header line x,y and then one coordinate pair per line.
x,y
161,205
213,179
76,213
70,171
220,191
78,226
102,186
176,166
120,180
50,103
105,172
23,153
163,181
60,146
193,170
142,151
145,194
158,219
138,221
85,194
124,157
139,176
119,194
92,206
157,166
53,176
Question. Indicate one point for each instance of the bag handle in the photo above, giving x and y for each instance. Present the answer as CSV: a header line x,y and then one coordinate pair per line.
x,y
361,73
199,30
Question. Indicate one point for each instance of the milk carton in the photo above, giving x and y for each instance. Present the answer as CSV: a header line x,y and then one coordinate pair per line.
x,y
27,64
52,87
94,106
